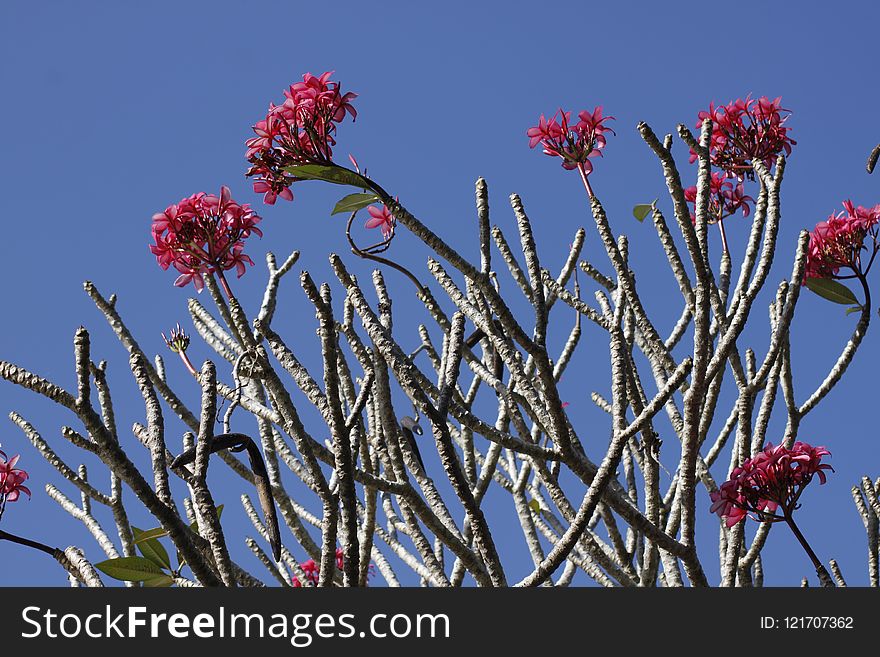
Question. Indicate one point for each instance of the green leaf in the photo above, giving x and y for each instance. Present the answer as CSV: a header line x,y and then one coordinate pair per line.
x,y
162,581
535,506
152,549
854,309
642,210
354,202
146,535
130,569
832,290
334,174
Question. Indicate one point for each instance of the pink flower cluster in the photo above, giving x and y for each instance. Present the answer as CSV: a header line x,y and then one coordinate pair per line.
x,y
574,144
299,131
11,480
203,234
746,130
382,219
313,570
839,241
724,198
773,478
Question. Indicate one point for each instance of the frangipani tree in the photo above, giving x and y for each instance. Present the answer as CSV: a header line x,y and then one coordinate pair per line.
x,y
605,512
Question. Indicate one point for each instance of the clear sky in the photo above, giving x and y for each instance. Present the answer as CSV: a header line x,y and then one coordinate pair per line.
x,y
112,111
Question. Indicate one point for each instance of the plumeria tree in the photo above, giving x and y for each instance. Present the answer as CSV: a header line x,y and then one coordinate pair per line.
x,y
482,387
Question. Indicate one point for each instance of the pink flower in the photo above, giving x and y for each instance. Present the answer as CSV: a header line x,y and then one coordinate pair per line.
x,y
775,477
11,480
724,198
271,193
839,241
574,144
313,571
545,131
381,218
299,131
728,503
202,234
746,130
310,568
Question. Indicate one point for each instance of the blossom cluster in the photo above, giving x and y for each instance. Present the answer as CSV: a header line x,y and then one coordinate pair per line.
x,y
11,480
179,340
203,234
725,198
775,477
575,144
746,130
839,242
313,571
299,131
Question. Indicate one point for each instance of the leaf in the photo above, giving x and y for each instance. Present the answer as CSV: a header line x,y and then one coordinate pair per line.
x,y
535,506
642,209
333,174
152,549
354,202
130,569
162,581
832,290
157,532
854,309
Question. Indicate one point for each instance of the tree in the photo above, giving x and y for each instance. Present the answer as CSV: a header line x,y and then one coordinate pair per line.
x,y
577,513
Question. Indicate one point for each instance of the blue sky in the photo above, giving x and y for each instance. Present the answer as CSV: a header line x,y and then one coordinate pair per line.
x,y
110,112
